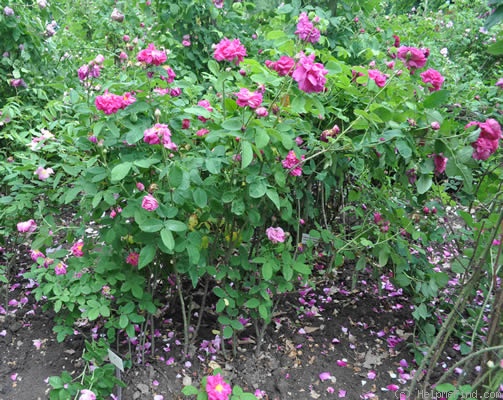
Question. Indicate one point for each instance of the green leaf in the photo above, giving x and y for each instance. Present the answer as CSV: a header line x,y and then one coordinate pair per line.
x,y
403,149
257,189
383,257
298,104
190,390
436,99
199,111
261,138
167,239
252,303
175,226
267,271
496,49
246,154
120,171
274,197
200,197
302,268
228,331
424,183
233,124
123,321
445,388
147,255
150,225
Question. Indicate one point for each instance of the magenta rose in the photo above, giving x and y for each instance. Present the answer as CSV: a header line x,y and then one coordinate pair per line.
x,y
306,30
378,77
217,388
412,57
483,148
488,141
440,163
149,203
205,104
151,55
310,75
290,162
275,235
247,98
229,50
110,103
284,66
433,79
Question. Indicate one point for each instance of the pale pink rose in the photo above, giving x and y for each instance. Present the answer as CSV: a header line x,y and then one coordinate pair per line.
x,y
99,59
499,83
261,112
433,79
149,203
310,75
275,235
43,173
86,394
230,50
27,226
435,125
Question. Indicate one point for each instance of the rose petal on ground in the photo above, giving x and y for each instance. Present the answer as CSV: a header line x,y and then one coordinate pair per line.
x,y
325,376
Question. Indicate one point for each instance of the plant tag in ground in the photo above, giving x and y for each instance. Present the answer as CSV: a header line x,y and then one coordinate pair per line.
x,y
308,238
116,360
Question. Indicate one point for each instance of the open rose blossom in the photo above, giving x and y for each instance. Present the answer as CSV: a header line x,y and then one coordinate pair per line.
x,y
488,141
284,66
275,235
86,394
133,258
310,75
378,77
149,203
43,173
230,50
152,56
433,79
158,134
412,57
27,226
217,388
247,98
306,30
290,162
110,103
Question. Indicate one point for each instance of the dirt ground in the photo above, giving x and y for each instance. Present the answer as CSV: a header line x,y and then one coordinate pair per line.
x,y
324,342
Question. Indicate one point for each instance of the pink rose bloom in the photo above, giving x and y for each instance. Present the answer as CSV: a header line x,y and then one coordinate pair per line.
x,y
310,75
206,104
186,123
291,161
60,268
140,186
500,83
202,132
483,148
390,64
247,98
261,112
159,133
151,55
83,72
149,203
378,77
132,259
433,78
306,30
175,92
99,59
412,57
76,249
440,163
86,394
43,173
229,50
218,3
488,140
284,66
110,103
275,235
435,125
27,226
170,74
217,388
36,254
